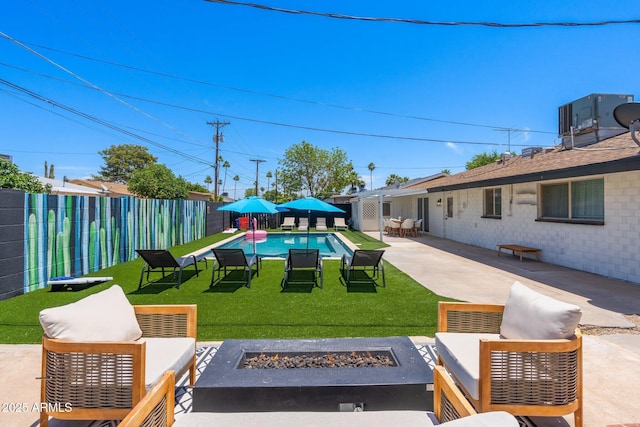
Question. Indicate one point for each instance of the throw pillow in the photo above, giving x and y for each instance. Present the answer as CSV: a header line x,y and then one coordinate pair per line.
x,y
104,316
531,315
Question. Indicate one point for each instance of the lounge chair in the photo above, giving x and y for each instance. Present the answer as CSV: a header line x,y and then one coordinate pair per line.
x,y
156,260
237,260
523,357
303,224
303,266
321,224
288,223
364,266
339,224
156,409
93,372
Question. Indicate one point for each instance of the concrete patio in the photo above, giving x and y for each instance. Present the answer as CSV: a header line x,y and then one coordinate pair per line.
x,y
611,361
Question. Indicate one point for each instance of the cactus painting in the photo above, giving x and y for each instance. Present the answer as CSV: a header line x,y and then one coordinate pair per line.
x,y
77,235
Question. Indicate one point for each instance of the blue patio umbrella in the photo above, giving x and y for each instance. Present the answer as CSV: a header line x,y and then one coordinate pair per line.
x,y
310,204
250,205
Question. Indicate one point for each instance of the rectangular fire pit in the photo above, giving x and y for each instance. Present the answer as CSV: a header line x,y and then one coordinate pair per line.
x,y
403,381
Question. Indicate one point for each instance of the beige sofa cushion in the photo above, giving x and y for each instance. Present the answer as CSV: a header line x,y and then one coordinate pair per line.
x,y
103,316
460,353
167,354
531,315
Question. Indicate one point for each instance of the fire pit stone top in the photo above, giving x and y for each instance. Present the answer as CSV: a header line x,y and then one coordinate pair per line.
x,y
225,369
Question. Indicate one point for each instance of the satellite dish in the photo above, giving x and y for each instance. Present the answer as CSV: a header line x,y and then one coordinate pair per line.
x,y
628,116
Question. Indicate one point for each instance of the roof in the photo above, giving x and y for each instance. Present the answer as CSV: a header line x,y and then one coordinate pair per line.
x,y
616,154
59,186
111,189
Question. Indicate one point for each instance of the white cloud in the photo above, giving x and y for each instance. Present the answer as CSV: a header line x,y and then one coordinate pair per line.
x,y
453,147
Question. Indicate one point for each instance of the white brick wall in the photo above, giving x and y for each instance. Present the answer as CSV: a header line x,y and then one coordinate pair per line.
x,y
612,250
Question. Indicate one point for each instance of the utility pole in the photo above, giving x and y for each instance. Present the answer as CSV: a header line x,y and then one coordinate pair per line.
x,y
258,161
217,138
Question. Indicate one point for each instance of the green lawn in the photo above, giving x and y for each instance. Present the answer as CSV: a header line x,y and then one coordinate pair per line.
x,y
403,308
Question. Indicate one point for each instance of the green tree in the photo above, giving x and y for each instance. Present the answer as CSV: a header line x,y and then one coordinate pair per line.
x,y
446,171
371,167
321,172
269,175
393,178
208,181
11,177
354,182
158,182
226,167
194,186
250,192
482,159
121,161
236,178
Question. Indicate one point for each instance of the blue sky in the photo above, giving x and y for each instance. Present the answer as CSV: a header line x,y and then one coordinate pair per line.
x,y
437,94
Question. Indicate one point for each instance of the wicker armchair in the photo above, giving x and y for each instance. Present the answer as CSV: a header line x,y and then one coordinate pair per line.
x,y
105,380
156,409
519,376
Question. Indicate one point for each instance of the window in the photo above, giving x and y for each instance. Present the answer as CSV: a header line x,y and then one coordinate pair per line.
x,y
493,203
577,201
449,207
386,209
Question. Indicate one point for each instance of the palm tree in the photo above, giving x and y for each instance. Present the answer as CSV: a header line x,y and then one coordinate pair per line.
x,y
269,175
371,168
208,180
226,166
235,184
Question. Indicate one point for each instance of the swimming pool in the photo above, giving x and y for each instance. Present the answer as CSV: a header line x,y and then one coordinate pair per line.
x,y
277,245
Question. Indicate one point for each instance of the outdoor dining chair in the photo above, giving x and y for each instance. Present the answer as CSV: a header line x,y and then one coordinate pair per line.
x,y
303,266
236,260
365,265
156,260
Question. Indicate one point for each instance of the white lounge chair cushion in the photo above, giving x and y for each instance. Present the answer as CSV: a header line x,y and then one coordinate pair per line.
x,y
460,352
103,316
346,419
531,315
167,354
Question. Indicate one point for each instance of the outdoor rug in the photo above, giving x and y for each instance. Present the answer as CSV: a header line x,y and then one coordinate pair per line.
x,y
204,354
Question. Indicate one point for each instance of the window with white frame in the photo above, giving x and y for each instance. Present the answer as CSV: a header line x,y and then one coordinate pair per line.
x,y
492,203
580,201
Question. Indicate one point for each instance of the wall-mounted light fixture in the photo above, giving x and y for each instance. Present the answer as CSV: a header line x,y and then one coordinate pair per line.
x,y
439,203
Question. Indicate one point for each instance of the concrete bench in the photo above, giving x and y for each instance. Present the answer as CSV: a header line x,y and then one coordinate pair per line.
x,y
520,250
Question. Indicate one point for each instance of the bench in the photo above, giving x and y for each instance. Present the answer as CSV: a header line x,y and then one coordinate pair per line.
x,y
520,250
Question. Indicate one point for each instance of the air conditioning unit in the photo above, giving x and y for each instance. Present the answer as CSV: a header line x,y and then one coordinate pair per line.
x,y
590,119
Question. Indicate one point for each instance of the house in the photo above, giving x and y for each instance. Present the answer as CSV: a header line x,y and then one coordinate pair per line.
x,y
105,189
579,204
64,187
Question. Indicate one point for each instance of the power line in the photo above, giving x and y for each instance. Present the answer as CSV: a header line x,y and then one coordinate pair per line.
x,y
99,121
423,22
271,95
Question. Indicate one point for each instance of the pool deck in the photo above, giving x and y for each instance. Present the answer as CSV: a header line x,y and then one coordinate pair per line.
x,y
469,273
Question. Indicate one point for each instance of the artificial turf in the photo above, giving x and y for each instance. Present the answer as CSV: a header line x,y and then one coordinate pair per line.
x,y
230,310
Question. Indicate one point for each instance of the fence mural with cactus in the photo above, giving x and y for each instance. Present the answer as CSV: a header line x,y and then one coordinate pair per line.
x,y
77,235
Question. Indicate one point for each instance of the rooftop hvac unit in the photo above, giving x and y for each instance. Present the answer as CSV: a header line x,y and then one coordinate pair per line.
x,y
590,118
530,151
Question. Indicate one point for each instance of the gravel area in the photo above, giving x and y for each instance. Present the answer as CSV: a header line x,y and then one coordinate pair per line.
x,y
599,330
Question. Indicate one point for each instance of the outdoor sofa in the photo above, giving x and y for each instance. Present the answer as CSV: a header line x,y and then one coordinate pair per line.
x,y
523,357
100,355
451,409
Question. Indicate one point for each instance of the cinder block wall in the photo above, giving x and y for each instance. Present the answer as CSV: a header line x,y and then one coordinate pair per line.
x,y
11,243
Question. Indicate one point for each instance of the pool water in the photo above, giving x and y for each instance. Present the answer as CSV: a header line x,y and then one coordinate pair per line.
x,y
277,245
